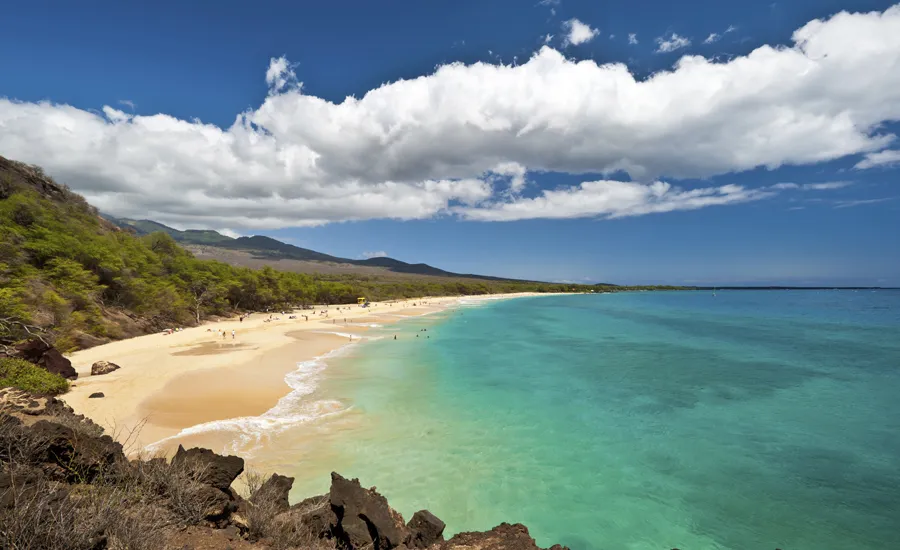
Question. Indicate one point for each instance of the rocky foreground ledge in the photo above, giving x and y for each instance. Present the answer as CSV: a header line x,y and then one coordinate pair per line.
x,y
66,485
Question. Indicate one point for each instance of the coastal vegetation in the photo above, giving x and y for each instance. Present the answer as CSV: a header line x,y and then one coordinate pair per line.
x,y
80,280
18,373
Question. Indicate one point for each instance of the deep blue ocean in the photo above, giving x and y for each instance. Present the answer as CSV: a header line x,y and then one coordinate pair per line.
x,y
654,420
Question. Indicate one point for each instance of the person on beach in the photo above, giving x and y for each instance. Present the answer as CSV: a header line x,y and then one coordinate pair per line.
x,y
223,335
395,337
232,334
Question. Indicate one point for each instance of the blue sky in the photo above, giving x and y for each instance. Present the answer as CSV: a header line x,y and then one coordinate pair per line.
x,y
757,166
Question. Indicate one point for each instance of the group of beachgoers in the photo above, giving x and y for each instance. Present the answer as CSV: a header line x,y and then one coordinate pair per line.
x,y
420,330
223,332
273,317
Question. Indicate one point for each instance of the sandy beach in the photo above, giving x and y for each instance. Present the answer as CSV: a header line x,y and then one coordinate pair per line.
x,y
169,382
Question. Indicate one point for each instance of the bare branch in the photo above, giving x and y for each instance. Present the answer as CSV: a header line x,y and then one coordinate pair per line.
x,y
8,323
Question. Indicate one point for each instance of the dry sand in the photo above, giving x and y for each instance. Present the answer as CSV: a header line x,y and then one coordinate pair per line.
x,y
168,382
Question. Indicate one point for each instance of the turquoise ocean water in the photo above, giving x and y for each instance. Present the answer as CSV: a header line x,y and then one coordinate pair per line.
x,y
629,421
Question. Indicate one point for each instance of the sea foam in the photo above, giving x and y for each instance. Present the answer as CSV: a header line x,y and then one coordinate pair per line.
x,y
250,432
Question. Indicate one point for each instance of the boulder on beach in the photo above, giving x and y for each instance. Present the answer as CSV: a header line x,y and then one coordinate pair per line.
x,y
96,395
46,356
103,367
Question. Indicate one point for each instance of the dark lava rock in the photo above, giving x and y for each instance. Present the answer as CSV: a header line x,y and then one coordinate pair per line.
x,y
216,470
425,529
46,356
96,395
364,516
313,515
80,456
24,486
275,489
220,504
502,537
103,367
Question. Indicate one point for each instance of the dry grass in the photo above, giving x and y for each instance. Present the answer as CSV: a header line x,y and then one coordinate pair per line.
x,y
260,511
44,515
278,529
132,504
176,487
126,505
17,446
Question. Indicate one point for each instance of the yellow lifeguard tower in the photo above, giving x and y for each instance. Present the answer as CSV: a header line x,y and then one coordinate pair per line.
x,y
362,302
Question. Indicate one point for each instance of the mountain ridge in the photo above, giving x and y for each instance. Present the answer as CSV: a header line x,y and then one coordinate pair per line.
x,y
269,247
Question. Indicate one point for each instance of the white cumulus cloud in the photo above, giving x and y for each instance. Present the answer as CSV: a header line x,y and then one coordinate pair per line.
x,y
611,199
578,32
672,43
280,74
463,139
632,38
881,158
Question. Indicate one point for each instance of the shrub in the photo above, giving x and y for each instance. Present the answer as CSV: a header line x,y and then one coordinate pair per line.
x,y
177,487
279,529
23,375
52,516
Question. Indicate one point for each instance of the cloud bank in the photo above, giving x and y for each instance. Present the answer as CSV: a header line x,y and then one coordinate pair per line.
x,y
461,141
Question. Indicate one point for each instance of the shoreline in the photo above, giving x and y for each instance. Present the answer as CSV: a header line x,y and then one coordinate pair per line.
x,y
170,383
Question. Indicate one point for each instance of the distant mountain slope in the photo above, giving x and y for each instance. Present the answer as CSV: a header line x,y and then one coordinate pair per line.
x,y
272,248
191,236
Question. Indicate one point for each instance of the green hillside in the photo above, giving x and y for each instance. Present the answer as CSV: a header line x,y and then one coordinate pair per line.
x,y
74,276
188,236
